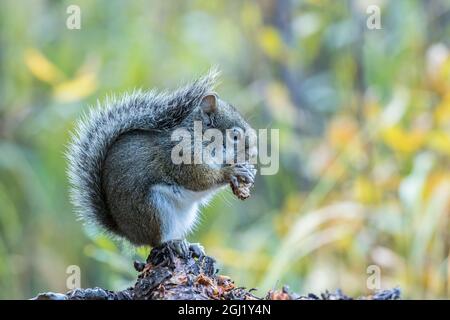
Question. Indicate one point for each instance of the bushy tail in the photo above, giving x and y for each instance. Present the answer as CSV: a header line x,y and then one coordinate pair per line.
x,y
98,130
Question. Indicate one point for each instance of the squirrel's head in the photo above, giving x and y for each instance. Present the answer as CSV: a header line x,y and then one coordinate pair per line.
x,y
217,114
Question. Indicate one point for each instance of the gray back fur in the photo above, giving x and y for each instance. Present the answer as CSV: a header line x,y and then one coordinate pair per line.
x,y
99,129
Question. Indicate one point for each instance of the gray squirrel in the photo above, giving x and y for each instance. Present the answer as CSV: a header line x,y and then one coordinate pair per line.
x,y
120,168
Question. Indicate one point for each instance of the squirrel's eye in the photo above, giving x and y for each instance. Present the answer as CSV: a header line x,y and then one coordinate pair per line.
x,y
235,134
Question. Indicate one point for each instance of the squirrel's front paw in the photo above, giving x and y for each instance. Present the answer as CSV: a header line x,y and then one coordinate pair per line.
x,y
241,178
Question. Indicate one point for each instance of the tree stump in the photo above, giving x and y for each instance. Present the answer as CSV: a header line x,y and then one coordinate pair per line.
x,y
166,275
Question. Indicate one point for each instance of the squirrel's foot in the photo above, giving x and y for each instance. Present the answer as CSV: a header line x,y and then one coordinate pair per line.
x,y
197,250
180,246
184,249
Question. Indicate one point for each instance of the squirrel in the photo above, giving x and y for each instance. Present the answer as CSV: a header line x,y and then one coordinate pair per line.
x,y
120,169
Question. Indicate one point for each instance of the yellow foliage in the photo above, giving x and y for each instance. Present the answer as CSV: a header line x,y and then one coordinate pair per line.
x,y
434,180
345,243
440,141
341,131
365,191
293,203
439,68
105,243
271,43
41,67
250,14
75,89
287,216
442,111
403,141
443,77
84,83
280,104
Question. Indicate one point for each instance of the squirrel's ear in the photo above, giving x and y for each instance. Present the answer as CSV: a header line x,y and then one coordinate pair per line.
x,y
209,103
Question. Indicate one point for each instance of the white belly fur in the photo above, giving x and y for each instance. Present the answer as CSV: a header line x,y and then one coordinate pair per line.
x,y
178,208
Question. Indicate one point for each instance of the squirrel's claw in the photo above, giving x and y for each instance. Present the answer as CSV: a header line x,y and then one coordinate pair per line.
x,y
241,178
180,246
245,173
234,181
184,249
197,250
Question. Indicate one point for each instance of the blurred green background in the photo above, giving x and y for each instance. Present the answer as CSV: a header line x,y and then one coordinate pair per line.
x,y
364,119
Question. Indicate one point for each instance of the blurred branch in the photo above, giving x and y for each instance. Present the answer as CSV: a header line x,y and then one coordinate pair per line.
x,y
279,14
